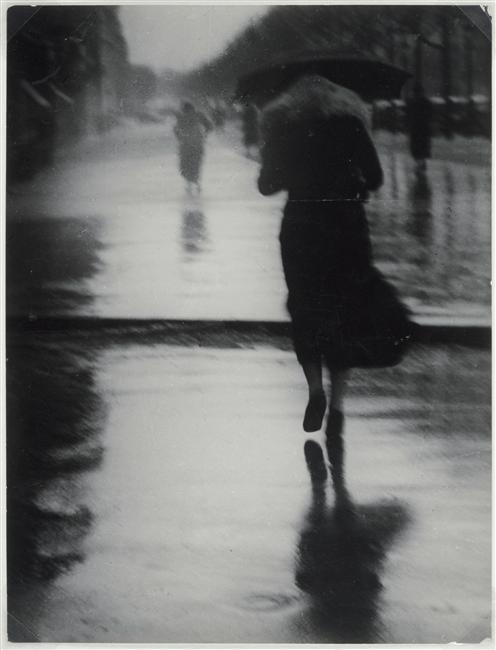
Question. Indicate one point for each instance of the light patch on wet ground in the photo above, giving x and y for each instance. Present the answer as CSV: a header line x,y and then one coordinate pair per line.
x,y
203,525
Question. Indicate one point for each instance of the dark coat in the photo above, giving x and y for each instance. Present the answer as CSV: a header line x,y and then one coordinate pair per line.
x,y
332,159
321,153
315,144
191,130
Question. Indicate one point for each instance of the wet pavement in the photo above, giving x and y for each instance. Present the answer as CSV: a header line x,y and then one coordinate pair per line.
x,y
159,493
158,490
111,233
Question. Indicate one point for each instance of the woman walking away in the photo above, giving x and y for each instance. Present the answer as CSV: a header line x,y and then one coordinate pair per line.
x,y
191,130
315,145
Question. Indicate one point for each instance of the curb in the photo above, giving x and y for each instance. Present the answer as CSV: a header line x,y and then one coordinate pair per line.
x,y
428,331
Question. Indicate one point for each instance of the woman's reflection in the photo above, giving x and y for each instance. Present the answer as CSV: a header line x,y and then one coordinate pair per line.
x,y
420,224
194,234
341,552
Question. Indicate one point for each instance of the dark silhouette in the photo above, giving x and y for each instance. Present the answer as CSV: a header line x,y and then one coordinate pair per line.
x,y
420,127
317,147
420,222
191,130
341,552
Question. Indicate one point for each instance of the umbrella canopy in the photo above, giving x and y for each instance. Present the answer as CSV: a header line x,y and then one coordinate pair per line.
x,y
370,78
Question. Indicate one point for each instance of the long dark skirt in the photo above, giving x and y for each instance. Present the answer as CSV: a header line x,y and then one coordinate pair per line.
x,y
342,309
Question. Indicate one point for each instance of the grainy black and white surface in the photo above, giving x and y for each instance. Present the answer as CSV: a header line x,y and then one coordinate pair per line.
x,y
157,485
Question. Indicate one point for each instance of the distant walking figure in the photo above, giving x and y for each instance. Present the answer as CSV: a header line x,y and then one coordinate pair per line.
x,y
191,130
315,145
419,119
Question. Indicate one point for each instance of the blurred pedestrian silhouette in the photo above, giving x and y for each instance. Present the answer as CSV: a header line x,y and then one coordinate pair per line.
x,y
316,146
341,552
420,221
191,130
250,129
419,121
194,235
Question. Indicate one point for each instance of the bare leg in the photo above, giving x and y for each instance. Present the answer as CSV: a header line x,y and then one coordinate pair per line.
x,y
334,433
313,375
335,419
316,407
339,379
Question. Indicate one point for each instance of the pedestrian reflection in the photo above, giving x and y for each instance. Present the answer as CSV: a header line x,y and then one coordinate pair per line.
x,y
393,174
450,220
194,234
341,553
55,417
420,222
448,269
449,184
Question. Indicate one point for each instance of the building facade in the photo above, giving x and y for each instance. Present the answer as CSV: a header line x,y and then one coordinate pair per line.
x,y
66,68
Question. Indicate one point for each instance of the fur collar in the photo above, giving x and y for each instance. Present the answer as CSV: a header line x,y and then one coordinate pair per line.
x,y
313,97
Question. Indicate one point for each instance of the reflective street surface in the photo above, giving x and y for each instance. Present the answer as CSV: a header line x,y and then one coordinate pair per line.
x,y
160,494
114,233
158,486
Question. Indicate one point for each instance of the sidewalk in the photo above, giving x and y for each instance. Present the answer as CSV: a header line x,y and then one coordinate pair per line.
x,y
158,491
120,240
172,503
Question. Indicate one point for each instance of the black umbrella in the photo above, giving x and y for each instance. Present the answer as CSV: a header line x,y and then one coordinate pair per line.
x,y
370,78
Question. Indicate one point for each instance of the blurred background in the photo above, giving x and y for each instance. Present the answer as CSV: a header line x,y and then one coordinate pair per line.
x,y
93,98
157,489
79,70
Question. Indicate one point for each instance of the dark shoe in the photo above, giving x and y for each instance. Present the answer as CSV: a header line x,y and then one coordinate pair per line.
x,y
314,457
314,413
